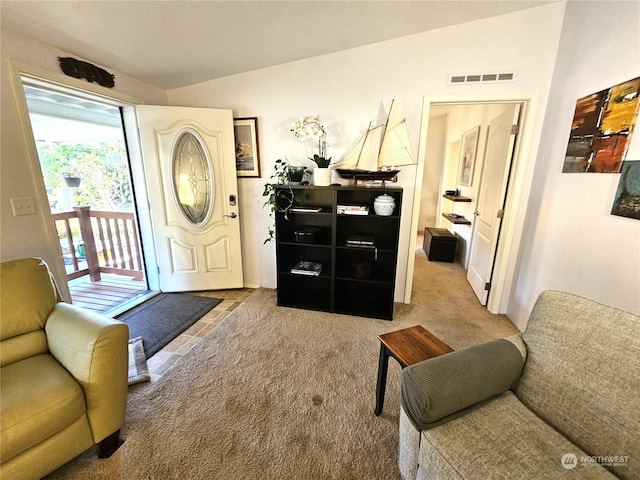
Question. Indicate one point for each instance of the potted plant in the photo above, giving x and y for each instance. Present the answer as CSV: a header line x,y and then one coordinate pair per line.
x,y
278,200
310,126
295,174
71,178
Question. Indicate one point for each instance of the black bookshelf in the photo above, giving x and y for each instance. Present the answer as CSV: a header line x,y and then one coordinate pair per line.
x,y
357,277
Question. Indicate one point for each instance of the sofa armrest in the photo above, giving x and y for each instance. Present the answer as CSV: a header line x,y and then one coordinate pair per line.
x,y
94,349
443,388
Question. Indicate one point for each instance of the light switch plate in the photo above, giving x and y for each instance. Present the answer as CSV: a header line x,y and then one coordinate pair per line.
x,y
23,206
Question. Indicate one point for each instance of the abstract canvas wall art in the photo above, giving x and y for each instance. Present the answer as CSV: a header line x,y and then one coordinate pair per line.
x,y
627,200
601,129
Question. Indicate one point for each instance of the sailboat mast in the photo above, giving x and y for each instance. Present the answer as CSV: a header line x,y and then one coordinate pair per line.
x,y
364,142
384,132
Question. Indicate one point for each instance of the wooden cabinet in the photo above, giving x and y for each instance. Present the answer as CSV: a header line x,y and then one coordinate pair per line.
x,y
357,252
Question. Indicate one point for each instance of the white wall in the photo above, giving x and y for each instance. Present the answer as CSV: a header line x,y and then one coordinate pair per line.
x,y
27,235
347,89
434,164
571,241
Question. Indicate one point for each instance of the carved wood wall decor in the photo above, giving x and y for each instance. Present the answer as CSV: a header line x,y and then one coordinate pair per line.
x,y
79,69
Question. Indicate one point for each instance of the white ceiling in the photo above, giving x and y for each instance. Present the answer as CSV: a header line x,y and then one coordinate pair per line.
x,y
176,43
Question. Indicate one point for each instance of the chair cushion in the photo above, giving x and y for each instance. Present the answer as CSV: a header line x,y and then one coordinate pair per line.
x,y
38,398
28,296
23,346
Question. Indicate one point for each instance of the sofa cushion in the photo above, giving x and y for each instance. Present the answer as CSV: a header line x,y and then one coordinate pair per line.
x,y
28,296
38,398
582,375
501,440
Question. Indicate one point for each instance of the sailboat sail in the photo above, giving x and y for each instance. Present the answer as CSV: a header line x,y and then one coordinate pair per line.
x,y
364,156
370,149
395,149
381,147
352,158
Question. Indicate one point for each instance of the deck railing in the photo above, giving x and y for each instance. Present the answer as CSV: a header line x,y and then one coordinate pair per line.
x,y
108,240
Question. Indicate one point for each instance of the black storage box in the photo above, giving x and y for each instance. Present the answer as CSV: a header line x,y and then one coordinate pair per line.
x,y
361,270
306,234
439,244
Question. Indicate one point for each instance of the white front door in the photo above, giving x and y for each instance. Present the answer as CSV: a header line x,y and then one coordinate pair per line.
x,y
491,200
189,163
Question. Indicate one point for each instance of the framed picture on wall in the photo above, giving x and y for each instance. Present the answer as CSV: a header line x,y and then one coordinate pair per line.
x,y
468,151
602,128
627,200
247,151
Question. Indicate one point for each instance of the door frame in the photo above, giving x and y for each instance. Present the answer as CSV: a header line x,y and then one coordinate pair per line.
x,y
517,194
80,87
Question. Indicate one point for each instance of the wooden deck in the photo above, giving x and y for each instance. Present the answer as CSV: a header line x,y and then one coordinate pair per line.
x,y
108,295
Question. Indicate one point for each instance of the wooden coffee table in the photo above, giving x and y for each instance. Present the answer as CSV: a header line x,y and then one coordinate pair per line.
x,y
408,346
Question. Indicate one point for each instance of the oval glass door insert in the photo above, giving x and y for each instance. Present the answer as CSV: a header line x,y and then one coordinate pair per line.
x,y
193,178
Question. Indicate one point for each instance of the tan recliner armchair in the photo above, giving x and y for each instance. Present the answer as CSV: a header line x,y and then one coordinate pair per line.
x,y
63,375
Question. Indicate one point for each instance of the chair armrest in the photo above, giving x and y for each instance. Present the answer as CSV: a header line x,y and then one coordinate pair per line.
x,y
94,349
443,388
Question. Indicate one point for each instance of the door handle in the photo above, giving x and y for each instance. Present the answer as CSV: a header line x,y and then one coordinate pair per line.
x,y
233,215
476,213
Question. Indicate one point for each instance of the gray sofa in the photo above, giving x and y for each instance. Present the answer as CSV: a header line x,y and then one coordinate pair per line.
x,y
561,400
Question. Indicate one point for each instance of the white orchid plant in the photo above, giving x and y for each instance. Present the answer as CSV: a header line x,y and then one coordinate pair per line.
x,y
310,126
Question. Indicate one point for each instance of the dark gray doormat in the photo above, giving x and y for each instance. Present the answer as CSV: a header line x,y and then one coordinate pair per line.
x,y
163,318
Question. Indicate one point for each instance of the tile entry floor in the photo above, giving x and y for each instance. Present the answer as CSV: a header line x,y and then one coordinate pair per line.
x,y
179,346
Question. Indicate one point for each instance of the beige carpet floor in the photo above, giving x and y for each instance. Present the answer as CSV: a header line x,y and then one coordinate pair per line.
x,y
280,393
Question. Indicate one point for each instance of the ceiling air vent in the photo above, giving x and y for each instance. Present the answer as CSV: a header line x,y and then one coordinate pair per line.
x,y
482,78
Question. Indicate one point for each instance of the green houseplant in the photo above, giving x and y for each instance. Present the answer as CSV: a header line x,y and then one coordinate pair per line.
x,y
278,200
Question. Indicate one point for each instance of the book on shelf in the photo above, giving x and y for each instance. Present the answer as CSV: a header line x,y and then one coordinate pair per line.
x,y
352,209
305,209
360,241
307,268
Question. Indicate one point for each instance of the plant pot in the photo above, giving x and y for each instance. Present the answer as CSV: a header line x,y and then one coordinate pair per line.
x,y
295,174
72,181
322,177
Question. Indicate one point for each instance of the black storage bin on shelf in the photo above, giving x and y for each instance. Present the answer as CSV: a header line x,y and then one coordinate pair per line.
x,y
306,234
439,244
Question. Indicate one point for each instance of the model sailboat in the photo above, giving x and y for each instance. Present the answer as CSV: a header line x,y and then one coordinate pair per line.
x,y
380,150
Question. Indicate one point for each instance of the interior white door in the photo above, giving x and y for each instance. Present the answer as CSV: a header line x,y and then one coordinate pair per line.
x,y
491,201
189,163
